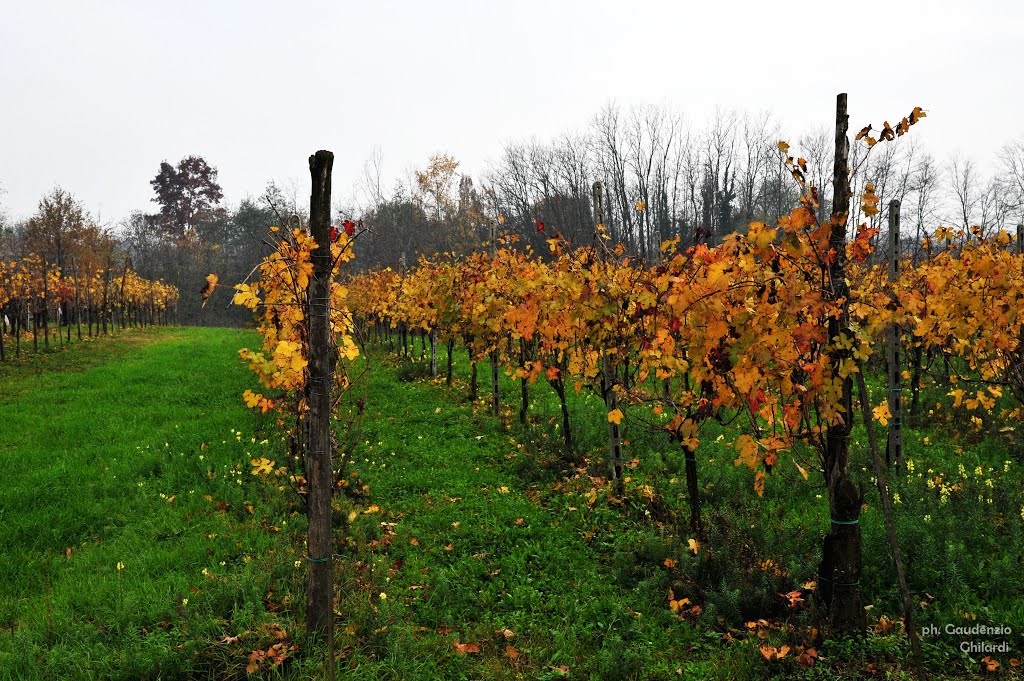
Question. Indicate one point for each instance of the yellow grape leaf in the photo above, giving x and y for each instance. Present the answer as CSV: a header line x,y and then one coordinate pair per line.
x,y
747,448
882,414
958,397
262,466
615,416
246,296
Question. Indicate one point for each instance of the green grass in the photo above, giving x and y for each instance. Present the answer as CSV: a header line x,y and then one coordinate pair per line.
x,y
460,528
94,445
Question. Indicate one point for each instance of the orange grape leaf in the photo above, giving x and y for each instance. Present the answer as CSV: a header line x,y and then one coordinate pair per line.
x,y
207,290
464,648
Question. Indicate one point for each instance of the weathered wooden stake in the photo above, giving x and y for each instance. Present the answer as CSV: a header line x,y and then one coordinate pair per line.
x,y
841,562
433,353
611,400
890,527
495,388
46,307
322,357
894,447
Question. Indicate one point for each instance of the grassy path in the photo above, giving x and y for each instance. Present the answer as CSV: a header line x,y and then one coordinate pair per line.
x,y
93,445
137,542
476,553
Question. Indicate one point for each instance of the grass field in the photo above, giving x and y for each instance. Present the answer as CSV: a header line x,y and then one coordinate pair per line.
x,y
138,544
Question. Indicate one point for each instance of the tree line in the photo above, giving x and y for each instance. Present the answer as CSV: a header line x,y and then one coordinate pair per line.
x,y
665,177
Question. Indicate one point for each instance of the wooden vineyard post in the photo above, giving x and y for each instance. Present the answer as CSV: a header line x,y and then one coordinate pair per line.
x,y
841,562
659,259
890,527
35,322
78,297
433,352
495,387
451,349
524,385
611,400
106,295
894,448
1020,251
46,307
322,357
124,278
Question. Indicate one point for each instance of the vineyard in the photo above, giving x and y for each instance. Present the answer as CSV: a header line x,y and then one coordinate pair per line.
x,y
795,452
36,295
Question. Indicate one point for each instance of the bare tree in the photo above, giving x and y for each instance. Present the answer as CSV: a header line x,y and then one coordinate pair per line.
x,y
963,181
924,197
1011,158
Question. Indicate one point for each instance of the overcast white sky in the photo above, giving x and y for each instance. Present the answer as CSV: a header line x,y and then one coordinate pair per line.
x,y
93,95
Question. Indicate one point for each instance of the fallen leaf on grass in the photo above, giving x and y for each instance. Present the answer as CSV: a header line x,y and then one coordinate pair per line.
x,y
464,648
772,653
